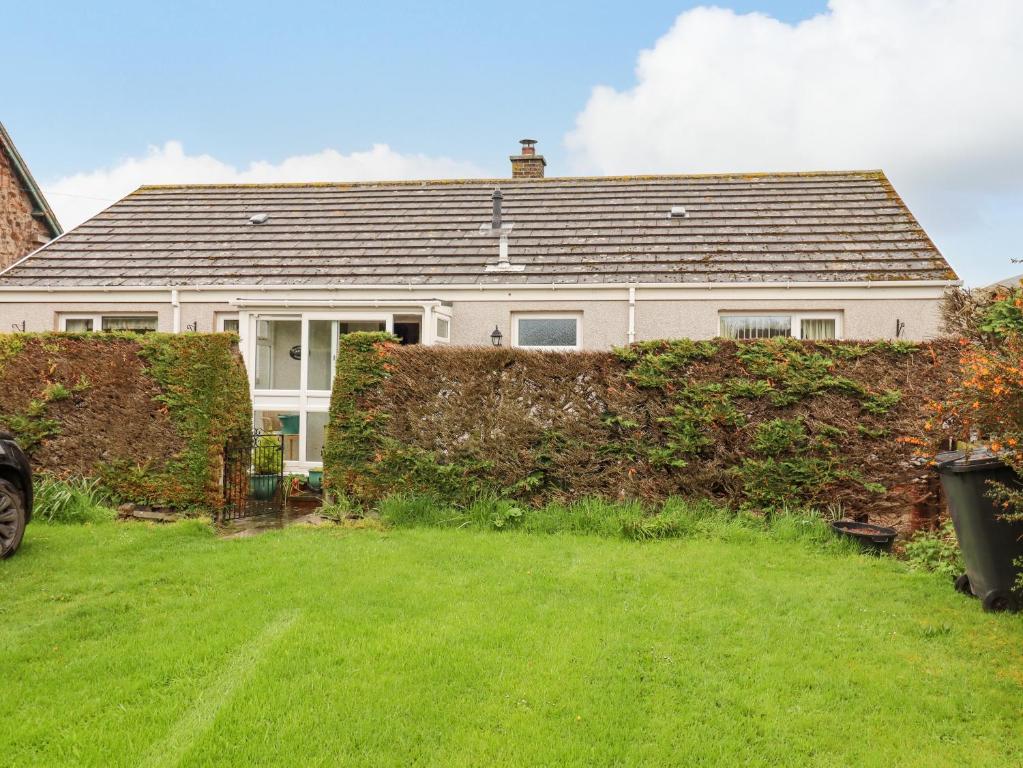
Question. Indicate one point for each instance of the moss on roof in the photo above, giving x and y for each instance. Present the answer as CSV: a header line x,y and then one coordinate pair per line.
x,y
876,175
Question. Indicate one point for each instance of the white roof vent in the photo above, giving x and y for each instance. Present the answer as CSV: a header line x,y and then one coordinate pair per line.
x,y
678,212
259,218
503,262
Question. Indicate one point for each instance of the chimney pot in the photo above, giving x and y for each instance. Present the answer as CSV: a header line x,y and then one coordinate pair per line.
x,y
528,164
495,221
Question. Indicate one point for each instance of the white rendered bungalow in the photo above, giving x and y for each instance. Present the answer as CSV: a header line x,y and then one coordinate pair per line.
x,y
543,263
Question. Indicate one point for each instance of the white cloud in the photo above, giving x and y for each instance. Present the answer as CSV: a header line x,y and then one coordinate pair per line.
x,y
926,89
80,196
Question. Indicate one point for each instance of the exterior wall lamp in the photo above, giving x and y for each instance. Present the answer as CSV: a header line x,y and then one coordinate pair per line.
x,y
496,336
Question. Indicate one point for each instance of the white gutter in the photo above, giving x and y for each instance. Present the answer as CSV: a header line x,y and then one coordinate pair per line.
x,y
176,322
481,286
632,314
375,303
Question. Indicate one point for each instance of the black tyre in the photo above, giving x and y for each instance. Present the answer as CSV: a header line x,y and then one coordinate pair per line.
x,y
996,602
12,519
962,584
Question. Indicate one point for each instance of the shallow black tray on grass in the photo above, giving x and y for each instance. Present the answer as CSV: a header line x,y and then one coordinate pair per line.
x,y
875,538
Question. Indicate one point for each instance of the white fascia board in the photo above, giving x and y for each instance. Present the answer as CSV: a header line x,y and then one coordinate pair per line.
x,y
791,292
275,294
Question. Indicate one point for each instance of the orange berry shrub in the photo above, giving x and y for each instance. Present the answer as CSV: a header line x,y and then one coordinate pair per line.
x,y
987,401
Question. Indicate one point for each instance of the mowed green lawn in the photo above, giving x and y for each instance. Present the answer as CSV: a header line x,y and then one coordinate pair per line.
x,y
126,644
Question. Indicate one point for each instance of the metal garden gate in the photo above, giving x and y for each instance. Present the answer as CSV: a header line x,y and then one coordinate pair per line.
x,y
253,476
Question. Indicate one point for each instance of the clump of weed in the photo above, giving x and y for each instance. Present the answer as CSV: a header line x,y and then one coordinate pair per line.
x,y
676,518
74,500
936,551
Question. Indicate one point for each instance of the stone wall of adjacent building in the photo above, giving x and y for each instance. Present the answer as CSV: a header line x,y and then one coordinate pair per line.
x,y
20,232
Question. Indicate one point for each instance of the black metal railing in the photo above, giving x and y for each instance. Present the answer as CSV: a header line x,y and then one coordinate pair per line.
x,y
253,476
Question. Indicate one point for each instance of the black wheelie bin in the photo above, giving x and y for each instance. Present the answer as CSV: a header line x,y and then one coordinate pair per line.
x,y
991,545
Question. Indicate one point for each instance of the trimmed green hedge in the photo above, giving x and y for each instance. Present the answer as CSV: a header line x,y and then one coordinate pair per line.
x,y
149,415
761,425
353,440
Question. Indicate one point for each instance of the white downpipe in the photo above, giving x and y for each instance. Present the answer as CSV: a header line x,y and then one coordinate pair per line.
x,y
632,314
502,252
426,332
176,314
245,338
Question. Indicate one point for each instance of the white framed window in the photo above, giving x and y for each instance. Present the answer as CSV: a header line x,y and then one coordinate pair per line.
x,y
227,322
79,323
85,323
315,432
278,353
443,328
769,325
547,330
297,353
291,360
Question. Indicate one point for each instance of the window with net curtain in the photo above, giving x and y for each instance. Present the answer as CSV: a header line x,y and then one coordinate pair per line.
x,y
817,328
137,323
756,327
748,327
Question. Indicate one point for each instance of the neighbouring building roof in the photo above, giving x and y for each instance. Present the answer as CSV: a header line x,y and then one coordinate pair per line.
x,y
1008,282
779,227
40,208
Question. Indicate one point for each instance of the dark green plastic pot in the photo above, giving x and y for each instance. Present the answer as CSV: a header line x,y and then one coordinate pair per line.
x,y
263,487
315,479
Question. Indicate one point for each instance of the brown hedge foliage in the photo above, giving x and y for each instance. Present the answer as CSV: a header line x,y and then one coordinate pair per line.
x,y
762,424
149,415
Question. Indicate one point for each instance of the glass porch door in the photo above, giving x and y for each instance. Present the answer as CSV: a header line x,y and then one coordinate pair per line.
x,y
293,361
324,336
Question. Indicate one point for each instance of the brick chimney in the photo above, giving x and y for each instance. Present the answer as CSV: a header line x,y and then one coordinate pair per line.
x,y
527,165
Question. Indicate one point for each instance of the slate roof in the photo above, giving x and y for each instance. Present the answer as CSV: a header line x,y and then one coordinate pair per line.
x,y
799,227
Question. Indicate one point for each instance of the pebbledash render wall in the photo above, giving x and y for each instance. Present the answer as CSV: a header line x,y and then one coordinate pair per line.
x,y
44,315
20,231
867,312
605,324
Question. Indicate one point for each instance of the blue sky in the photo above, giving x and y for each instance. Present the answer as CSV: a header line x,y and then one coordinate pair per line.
x,y
450,86
267,80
